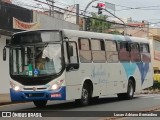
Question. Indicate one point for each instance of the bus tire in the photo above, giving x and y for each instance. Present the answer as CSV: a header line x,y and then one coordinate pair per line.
x,y
94,99
130,92
40,103
85,96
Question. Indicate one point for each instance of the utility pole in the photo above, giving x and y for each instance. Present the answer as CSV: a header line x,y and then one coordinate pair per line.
x,y
146,27
84,13
51,7
77,14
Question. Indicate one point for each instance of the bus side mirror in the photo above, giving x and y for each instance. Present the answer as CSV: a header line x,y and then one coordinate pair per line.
x,y
70,50
4,54
8,42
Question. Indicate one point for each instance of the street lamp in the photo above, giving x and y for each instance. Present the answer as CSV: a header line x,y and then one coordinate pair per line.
x,y
84,13
125,30
100,6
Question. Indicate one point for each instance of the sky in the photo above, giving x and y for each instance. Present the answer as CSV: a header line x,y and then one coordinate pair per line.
x,y
136,9
151,13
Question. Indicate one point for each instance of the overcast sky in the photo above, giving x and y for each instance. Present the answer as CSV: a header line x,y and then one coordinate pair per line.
x,y
147,9
150,13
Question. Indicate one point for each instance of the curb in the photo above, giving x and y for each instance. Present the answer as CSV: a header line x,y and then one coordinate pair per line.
x,y
8,103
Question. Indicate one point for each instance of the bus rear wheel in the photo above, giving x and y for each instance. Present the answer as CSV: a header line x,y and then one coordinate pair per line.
x,y
85,96
40,103
130,92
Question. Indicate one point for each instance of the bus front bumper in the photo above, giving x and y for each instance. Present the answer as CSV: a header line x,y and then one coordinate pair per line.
x,y
38,95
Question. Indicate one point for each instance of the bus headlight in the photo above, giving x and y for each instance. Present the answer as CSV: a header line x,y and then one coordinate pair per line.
x,y
15,87
56,85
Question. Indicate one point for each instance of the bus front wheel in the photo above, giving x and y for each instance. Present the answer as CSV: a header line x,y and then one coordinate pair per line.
x,y
130,92
40,103
85,96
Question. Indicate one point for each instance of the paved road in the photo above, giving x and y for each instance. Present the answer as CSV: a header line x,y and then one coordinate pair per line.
x,y
140,102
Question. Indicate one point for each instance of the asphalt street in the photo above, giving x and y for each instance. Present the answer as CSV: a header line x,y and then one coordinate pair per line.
x,y
139,103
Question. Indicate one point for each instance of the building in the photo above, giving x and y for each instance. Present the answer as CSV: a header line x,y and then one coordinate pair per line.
x,y
154,36
131,28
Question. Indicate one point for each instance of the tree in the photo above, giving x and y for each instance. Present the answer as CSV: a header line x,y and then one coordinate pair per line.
x,y
115,32
99,23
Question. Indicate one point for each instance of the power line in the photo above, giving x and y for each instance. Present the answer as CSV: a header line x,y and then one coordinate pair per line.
x,y
21,4
145,7
73,12
61,3
148,9
133,8
123,9
81,15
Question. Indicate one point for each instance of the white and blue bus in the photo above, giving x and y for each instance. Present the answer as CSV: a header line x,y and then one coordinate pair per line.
x,y
76,65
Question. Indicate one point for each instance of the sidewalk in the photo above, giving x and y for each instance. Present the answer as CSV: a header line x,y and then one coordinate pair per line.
x,y
5,99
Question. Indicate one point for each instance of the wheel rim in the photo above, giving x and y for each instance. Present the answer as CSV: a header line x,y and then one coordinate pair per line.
x,y
84,96
130,90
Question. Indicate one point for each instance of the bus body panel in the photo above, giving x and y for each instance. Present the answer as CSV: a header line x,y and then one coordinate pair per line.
x,y
39,92
116,80
38,95
107,78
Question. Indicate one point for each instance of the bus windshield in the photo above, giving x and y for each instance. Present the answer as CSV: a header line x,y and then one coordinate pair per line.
x,y
35,37
37,60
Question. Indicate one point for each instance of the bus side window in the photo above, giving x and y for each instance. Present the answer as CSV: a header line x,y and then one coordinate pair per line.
x,y
124,53
84,50
145,52
111,51
135,52
72,55
98,50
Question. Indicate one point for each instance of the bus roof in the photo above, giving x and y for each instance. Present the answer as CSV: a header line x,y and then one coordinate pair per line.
x,y
86,34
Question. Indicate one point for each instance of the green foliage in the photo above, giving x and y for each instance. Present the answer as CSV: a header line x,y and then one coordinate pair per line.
x,y
156,85
99,24
115,32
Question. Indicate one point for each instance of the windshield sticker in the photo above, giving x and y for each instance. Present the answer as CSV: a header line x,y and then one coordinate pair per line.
x,y
30,69
36,71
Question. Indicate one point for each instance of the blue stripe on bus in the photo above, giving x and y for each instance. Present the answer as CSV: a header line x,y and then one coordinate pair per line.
x,y
143,68
38,95
130,69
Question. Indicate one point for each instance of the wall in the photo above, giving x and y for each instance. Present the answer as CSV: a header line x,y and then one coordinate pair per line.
x,y
154,31
155,40
4,67
8,11
47,22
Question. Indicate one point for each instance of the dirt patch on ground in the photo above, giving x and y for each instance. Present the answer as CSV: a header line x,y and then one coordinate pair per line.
x,y
151,91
